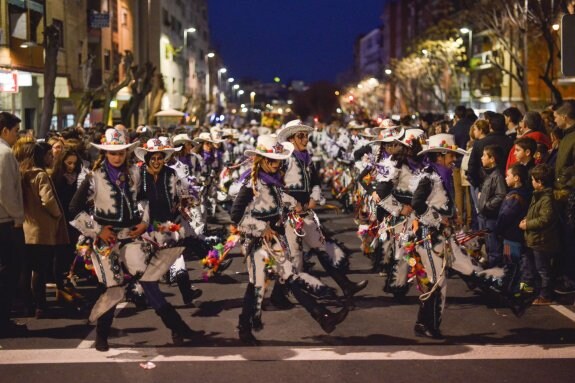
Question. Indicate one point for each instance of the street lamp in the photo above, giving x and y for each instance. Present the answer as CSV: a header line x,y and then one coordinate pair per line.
x,y
206,59
252,98
388,72
469,32
186,55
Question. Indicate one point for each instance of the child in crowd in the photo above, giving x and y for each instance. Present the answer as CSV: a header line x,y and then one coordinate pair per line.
x,y
541,227
491,196
525,149
513,210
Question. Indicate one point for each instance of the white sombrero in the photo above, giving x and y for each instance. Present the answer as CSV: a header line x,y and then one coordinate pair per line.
x,y
291,128
410,136
207,137
387,123
368,133
115,140
230,133
442,143
156,145
269,146
180,139
388,135
355,125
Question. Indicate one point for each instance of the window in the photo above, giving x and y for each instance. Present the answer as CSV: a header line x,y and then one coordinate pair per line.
x,y
107,59
60,26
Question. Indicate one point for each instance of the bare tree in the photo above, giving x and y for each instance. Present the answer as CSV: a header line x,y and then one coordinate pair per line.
x,y
110,88
51,47
158,91
140,86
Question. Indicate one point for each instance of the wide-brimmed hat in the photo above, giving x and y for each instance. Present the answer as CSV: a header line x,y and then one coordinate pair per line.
x,y
268,146
181,138
115,140
291,128
156,145
355,125
254,123
207,137
388,135
411,135
387,123
230,133
216,132
368,133
263,130
442,143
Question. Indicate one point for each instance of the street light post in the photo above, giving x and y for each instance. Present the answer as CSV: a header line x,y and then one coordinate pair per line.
x,y
186,56
469,33
206,59
220,71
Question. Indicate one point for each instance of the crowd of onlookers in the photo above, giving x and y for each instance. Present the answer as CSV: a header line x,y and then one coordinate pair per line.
x,y
517,183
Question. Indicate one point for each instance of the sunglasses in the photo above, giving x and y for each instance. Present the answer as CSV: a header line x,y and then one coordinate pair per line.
x,y
301,136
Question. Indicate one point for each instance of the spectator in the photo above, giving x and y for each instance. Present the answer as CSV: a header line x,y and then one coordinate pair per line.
x,y
479,130
497,137
556,136
525,149
44,223
11,220
492,193
460,131
530,126
513,210
564,186
541,235
512,118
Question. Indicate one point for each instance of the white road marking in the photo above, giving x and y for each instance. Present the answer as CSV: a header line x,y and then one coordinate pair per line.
x,y
339,353
565,311
88,342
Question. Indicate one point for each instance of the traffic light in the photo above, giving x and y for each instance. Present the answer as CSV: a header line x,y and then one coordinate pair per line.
x,y
568,45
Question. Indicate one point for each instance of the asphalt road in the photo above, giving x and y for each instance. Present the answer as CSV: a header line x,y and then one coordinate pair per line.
x,y
483,341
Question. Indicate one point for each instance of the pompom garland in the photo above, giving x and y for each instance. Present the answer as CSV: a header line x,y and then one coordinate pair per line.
x,y
218,254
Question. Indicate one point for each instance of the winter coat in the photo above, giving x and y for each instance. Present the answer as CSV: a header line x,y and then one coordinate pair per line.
x,y
44,220
475,172
493,191
542,222
513,210
565,159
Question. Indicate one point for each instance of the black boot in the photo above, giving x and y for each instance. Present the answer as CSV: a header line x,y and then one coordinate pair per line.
x,y
429,317
186,289
103,326
246,317
376,266
326,319
279,299
173,321
348,287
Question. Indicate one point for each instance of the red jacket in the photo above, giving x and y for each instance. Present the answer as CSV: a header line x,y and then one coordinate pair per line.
x,y
540,138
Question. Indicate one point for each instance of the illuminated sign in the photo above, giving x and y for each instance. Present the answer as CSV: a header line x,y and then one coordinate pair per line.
x,y
8,82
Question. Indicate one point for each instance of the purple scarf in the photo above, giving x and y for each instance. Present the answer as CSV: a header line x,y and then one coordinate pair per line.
x,y
117,175
303,156
413,164
208,157
446,175
267,178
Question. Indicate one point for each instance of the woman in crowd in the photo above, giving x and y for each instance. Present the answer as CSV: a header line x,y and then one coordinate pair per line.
x,y
66,170
45,222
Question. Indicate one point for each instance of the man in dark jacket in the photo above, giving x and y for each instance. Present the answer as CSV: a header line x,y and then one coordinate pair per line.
x,y
564,185
495,137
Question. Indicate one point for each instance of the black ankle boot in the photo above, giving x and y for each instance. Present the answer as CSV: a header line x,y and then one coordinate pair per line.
x,y
429,317
348,287
185,287
103,327
180,330
326,319
246,319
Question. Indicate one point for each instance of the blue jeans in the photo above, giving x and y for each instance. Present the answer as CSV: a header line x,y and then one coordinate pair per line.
x,y
536,271
493,245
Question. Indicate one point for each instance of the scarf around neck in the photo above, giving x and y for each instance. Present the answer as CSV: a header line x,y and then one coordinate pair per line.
x,y
303,156
117,175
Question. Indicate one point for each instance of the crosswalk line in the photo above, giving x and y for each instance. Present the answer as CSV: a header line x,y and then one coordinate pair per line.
x,y
275,353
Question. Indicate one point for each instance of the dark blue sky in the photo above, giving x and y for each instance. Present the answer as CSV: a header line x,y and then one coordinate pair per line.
x,y
306,40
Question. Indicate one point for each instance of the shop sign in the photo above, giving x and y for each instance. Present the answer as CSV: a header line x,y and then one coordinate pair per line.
x,y
8,81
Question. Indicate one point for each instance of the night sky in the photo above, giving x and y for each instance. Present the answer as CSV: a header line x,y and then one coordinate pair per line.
x,y
308,40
